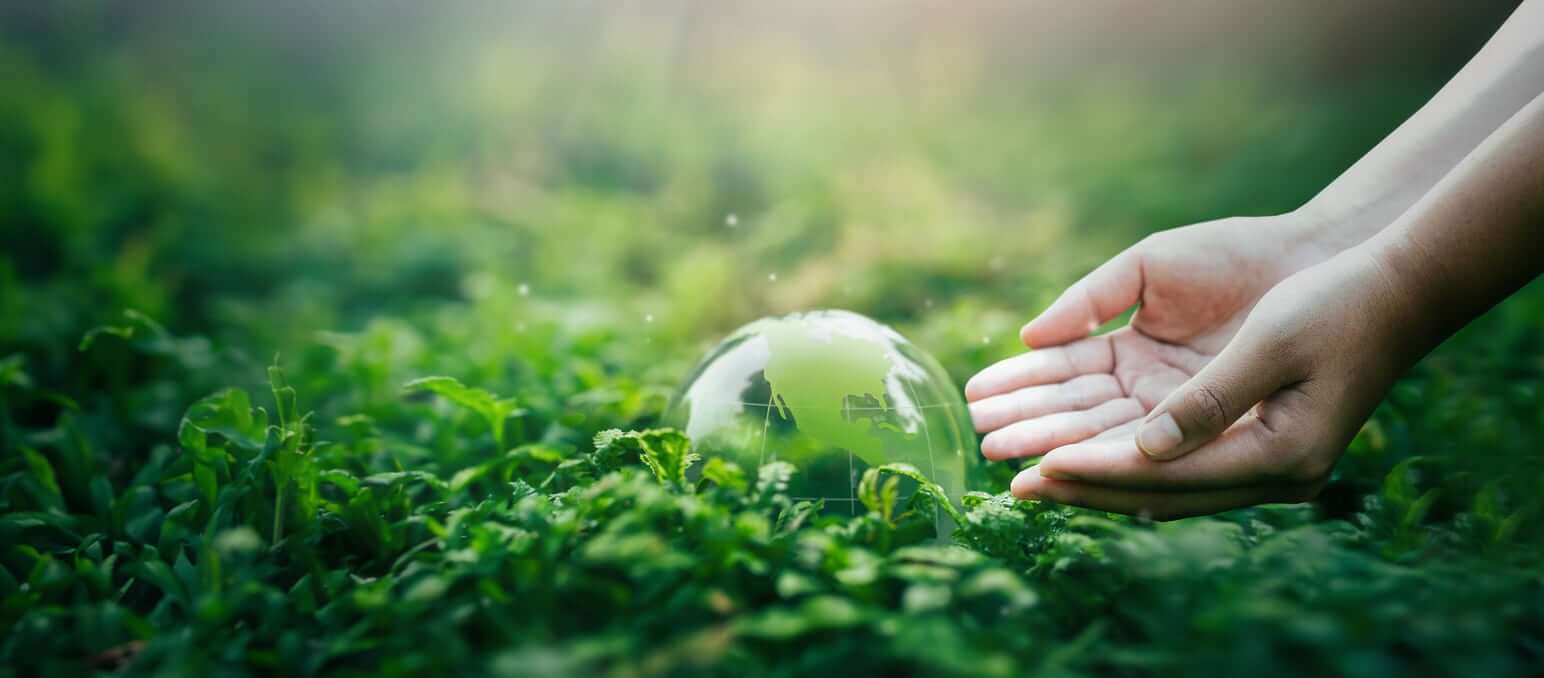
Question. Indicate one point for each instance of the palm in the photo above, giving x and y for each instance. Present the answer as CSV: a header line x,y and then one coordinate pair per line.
x,y
1190,308
1193,296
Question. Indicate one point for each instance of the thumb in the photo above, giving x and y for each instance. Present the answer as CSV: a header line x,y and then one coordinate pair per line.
x,y
1245,373
1101,295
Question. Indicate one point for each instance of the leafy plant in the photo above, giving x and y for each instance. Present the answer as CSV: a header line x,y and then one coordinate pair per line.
x,y
443,197
493,409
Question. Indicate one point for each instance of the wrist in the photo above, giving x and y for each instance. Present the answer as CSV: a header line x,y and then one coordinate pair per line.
x,y
1331,224
1314,234
1407,295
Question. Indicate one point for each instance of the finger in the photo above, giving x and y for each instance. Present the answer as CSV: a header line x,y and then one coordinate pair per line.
x,y
1247,454
1078,393
1249,369
1101,295
1029,484
1042,366
1126,430
1043,434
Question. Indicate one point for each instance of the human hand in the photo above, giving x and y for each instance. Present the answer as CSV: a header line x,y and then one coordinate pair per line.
x,y
1195,286
1267,417
1263,421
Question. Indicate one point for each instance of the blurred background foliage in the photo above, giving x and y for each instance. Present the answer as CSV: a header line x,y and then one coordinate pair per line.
x,y
565,204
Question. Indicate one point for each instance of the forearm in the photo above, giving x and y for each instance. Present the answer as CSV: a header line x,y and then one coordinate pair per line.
x,y
1475,238
1503,77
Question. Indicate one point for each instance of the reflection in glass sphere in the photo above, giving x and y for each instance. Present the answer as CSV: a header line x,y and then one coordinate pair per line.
x,y
833,393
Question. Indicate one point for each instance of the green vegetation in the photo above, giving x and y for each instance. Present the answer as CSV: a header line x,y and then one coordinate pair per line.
x,y
334,343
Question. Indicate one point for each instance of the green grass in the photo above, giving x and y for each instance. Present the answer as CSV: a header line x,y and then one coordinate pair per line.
x,y
360,370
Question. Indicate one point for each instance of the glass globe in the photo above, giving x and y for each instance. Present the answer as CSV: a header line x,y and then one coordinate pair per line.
x,y
833,393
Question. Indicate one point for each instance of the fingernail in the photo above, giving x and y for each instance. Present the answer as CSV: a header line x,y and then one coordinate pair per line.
x,y
973,388
1053,474
989,446
1025,331
1159,437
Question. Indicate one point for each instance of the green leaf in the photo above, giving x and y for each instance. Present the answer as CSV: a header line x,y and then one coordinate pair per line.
x,y
725,474
43,473
1487,503
666,451
933,491
11,523
1399,483
467,476
817,613
1418,509
1001,583
924,597
229,414
342,479
948,556
13,372
879,498
397,479
138,325
426,590
89,339
283,396
493,409
772,480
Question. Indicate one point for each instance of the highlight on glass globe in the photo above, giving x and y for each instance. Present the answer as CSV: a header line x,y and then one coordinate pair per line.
x,y
834,393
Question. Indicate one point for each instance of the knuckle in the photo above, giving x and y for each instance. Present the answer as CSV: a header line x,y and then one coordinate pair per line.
x,y
1280,321
1207,410
1304,470
1273,328
1025,442
1022,409
1277,339
1276,307
1157,241
1069,362
1026,407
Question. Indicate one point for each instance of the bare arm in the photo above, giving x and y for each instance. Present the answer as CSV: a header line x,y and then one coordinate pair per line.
x,y
1269,416
1505,75
1260,345
1477,236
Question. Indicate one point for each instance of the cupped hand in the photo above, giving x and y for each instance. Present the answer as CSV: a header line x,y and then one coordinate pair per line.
x,y
1267,418
1194,285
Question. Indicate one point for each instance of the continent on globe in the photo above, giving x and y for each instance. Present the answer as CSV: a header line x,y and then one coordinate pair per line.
x,y
820,379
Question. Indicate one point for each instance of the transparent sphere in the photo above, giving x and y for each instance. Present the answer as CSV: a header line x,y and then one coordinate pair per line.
x,y
833,393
